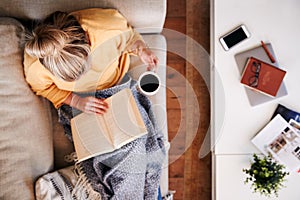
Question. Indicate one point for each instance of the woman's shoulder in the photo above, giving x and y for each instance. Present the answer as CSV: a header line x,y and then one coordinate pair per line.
x,y
101,24
96,11
103,17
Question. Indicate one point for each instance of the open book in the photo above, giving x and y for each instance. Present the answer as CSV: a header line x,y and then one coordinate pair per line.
x,y
282,140
95,134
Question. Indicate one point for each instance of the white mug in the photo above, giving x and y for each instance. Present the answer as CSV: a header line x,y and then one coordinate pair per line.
x,y
148,83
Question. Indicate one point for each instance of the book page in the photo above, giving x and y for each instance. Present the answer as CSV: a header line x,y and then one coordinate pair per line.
x,y
90,135
124,119
95,134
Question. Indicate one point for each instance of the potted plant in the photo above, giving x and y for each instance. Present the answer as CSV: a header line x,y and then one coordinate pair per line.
x,y
265,175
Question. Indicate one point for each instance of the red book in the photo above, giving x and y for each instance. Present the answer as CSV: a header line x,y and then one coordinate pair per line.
x,y
262,77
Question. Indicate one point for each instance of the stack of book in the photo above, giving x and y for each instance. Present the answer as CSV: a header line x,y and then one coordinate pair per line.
x,y
261,74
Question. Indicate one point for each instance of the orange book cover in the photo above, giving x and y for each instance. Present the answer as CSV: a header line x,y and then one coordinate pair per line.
x,y
262,76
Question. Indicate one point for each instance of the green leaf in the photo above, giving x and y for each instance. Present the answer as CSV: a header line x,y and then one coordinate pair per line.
x,y
265,175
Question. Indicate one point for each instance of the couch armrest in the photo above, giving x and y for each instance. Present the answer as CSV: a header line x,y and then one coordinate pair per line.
x,y
146,16
158,45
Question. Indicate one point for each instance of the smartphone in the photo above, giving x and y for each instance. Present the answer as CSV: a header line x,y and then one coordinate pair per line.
x,y
234,37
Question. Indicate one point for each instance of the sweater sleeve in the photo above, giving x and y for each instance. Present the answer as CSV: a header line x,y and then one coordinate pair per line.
x,y
41,83
54,94
135,36
107,24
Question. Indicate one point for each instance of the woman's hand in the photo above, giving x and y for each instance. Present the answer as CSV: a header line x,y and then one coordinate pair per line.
x,y
149,58
146,55
87,104
92,105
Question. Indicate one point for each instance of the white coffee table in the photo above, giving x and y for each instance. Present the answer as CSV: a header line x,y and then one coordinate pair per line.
x,y
234,120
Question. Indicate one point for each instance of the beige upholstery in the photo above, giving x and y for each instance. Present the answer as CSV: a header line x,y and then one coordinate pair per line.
x,y
26,149
145,15
157,43
32,142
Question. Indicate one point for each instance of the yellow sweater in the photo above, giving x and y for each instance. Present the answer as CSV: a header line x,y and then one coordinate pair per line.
x,y
111,38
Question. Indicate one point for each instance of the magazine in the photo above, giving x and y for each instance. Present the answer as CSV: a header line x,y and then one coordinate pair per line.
x,y
282,140
287,113
295,125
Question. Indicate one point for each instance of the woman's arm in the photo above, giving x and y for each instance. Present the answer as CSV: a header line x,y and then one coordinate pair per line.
x,y
87,104
146,55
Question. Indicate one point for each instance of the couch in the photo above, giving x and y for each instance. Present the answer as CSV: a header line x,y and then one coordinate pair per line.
x,y
32,142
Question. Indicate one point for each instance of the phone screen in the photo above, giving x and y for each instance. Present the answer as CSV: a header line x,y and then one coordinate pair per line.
x,y
235,37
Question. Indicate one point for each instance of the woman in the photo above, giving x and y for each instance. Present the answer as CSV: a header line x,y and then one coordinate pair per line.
x,y
88,51
83,51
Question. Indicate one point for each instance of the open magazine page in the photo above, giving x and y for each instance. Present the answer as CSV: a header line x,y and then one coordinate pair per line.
x,y
123,119
295,125
280,139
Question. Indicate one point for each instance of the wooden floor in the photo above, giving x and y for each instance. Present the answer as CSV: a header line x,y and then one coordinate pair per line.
x,y
189,176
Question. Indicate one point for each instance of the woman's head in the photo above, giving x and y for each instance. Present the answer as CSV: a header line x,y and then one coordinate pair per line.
x,y
61,45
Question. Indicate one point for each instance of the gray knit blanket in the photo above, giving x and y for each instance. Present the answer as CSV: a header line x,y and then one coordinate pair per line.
x,y
133,171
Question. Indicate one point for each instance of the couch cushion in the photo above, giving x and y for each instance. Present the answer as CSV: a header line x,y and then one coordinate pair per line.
x,y
158,45
26,150
147,16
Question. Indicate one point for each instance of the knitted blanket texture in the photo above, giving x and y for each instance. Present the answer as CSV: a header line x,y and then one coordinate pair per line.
x,y
133,171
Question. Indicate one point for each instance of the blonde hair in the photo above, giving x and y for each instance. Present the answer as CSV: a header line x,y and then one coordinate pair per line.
x,y
61,45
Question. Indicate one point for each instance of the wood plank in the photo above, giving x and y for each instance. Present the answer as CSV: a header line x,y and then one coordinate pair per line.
x,y
176,118
176,8
176,97
189,175
197,182
178,147
175,62
176,44
177,183
177,167
176,75
176,24
198,21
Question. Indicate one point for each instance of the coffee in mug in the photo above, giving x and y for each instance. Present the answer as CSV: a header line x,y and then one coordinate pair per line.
x,y
149,83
